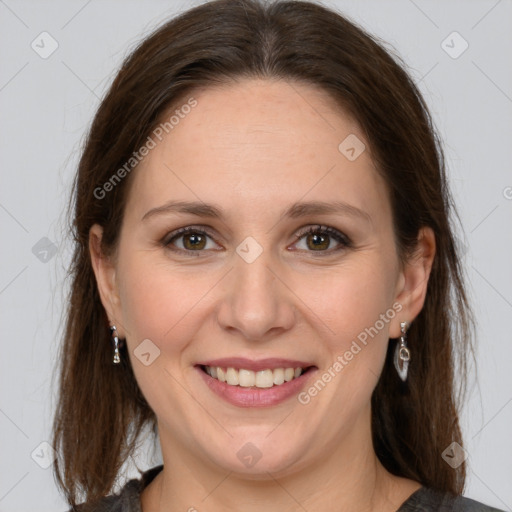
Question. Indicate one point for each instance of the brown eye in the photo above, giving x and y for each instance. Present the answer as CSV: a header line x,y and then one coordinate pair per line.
x,y
194,241
189,239
321,239
315,241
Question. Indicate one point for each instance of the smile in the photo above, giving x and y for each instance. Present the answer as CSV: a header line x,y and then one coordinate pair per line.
x,y
247,382
247,378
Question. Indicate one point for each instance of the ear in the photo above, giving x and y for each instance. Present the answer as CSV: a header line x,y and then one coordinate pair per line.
x,y
105,272
413,280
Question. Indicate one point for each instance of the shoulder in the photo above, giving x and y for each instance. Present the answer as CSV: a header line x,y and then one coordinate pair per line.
x,y
430,500
127,499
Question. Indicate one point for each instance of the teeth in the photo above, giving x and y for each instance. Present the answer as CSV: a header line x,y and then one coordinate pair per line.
x,y
265,379
232,377
278,376
289,373
247,378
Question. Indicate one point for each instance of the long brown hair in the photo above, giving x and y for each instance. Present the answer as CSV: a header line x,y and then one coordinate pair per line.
x,y
101,410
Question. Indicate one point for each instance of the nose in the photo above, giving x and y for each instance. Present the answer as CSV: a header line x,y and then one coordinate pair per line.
x,y
256,303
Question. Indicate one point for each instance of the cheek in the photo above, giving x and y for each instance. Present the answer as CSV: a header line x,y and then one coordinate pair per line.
x,y
161,305
354,307
350,299
159,302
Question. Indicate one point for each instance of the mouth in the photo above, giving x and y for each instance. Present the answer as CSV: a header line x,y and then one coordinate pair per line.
x,y
262,379
248,383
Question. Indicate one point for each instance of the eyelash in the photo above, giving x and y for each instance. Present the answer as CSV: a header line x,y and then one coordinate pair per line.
x,y
342,239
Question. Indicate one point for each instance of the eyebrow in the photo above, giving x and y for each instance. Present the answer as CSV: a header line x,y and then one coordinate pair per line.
x,y
295,211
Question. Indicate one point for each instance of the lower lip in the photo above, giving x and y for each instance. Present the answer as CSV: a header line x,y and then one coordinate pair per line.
x,y
256,397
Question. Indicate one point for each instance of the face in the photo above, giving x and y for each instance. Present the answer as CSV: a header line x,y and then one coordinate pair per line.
x,y
256,248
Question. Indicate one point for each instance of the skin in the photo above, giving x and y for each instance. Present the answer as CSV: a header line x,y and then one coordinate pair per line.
x,y
254,148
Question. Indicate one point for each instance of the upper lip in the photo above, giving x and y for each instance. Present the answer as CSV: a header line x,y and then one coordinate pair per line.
x,y
255,365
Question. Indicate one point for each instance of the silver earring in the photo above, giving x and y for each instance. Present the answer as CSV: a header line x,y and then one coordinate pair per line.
x,y
402,353
115,339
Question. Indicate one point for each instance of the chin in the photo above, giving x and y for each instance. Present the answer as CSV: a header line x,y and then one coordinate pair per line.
x,y
256,456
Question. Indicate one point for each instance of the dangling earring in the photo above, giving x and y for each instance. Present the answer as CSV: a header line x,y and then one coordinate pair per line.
x,y
115,339
402,354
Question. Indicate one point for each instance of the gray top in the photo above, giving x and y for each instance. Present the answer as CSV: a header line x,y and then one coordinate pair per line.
x,y
423,500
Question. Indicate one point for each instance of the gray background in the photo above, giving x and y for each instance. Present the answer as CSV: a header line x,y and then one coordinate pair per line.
x,y
46,105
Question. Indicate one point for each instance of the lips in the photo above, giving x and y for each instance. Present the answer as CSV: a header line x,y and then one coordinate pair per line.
x,y
252,383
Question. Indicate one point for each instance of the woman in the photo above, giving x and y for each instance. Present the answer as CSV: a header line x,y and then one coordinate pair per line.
x,y
265,273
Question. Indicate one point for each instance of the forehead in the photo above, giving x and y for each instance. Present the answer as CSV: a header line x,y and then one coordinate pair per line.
x,y
258,142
